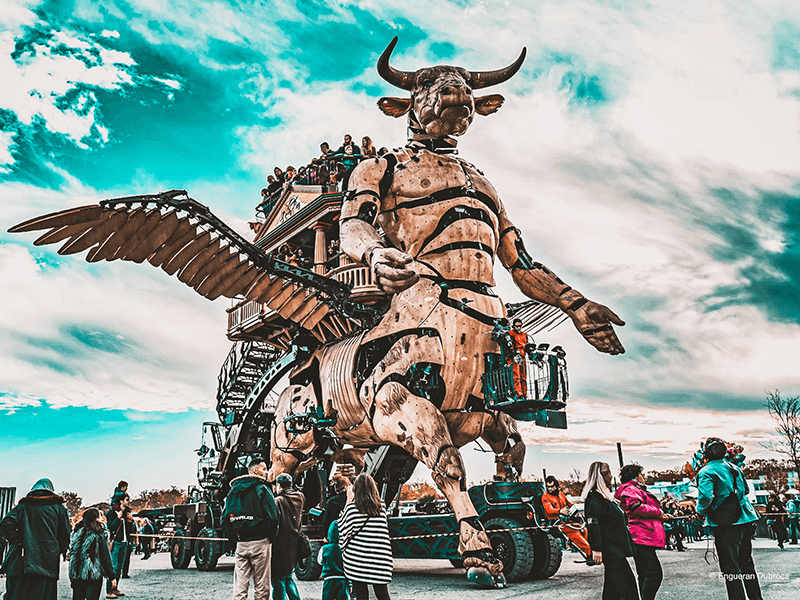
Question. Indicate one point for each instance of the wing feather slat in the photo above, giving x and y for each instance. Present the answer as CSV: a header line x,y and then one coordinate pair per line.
x,y
70,231
294,302
271,290
105,250
199,261
155,239
187,253
61,233
152,219
258,286
183,234
217,276
312,320
286,292
240,284
73,216
219,259
95,234
222,286
305,309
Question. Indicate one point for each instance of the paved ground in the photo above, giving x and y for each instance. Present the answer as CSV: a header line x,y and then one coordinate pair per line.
x,y
687,576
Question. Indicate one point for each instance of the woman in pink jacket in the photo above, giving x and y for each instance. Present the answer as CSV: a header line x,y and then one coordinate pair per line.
x,y
645,524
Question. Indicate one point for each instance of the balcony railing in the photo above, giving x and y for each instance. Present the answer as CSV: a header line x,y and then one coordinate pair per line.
x,y
358,277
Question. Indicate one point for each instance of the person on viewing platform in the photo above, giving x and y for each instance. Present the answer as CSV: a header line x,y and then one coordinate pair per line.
x,y
348,143
37,530
89,558
366,548
556,506
609,537
325,151
290,174
273,185
384,150
367,148
520,345
280,176
645,525
722,500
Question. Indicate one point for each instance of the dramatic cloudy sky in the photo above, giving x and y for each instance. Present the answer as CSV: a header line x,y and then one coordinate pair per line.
x,y
649,152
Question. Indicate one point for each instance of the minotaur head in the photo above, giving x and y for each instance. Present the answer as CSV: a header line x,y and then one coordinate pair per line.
x,y
441,100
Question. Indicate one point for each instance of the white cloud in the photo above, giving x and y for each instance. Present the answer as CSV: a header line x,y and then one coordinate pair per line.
x,y
172,341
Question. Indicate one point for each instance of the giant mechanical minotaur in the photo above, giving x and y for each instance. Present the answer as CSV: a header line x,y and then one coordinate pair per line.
x,y
430,226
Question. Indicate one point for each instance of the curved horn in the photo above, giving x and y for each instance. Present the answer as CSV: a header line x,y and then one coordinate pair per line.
x,y
400,79
482,79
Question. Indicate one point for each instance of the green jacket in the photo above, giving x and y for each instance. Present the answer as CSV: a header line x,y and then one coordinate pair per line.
x,y
250,511
38,531
715,482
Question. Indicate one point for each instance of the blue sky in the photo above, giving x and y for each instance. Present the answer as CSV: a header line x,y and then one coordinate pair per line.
x,y
649,152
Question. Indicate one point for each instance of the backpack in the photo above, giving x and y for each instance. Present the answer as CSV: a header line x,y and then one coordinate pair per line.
x,y
730,509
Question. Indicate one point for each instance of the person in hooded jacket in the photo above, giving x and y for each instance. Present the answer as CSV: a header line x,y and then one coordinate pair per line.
x,y
335,585
89,558
717,481
38,531
251,517
645,525
290,507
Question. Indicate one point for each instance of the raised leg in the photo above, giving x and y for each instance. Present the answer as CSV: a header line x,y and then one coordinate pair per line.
x,y
413,423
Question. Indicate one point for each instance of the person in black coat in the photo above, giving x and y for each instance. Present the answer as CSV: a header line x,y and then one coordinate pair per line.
x,y
38,531
609,537
777,523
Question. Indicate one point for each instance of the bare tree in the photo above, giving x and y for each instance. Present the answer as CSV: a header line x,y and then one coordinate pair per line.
x,y
73,502
786,414
576,475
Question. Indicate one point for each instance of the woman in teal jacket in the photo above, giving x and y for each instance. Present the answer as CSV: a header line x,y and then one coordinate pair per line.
x,y
716,481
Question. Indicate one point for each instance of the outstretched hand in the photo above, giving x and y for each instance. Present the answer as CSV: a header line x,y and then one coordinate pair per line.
x,y
594,322
392,273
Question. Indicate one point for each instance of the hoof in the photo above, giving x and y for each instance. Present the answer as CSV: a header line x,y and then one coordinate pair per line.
x,y
484,578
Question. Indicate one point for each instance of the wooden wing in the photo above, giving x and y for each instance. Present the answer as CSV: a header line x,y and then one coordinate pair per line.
x,y
180,235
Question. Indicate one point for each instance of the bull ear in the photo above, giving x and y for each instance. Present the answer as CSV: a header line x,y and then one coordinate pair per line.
x,y
486,105
395,107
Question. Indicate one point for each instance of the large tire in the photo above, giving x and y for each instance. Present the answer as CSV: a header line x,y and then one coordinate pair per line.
x,y
514,548
308,569
180,551
207,552
546,555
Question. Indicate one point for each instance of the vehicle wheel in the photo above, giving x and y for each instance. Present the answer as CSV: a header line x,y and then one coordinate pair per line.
x,y
207,552
308,569
514,548
458,563
180,551
546,555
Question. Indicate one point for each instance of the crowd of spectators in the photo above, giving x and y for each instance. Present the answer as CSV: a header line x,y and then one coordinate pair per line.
x,y
331,168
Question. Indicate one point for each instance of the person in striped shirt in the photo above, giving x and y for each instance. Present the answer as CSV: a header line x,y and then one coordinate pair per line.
x,y
365,543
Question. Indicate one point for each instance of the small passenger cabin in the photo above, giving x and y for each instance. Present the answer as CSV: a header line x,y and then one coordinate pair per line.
x,y
300,225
